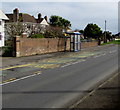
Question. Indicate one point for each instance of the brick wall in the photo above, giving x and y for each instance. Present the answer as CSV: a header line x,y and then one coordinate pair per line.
x,y
89,44
33,46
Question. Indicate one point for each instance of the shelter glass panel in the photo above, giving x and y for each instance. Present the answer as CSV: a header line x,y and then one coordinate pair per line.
x,y
72,38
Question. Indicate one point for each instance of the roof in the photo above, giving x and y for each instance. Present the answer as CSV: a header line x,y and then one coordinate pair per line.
x,y
28,18
3,16
24,17
73,33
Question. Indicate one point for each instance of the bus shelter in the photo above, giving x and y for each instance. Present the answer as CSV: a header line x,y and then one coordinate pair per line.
x,y
75,41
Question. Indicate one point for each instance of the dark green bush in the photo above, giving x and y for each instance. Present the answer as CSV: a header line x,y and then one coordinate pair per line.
x,y
36,36
7,51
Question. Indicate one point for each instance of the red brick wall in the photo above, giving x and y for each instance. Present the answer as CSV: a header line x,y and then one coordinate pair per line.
x,y
88,44
33,46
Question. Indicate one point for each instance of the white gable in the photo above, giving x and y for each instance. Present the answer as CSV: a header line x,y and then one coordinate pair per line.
x,y
44,22
3,16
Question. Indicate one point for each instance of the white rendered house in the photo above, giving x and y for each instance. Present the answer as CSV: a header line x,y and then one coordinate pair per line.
x,y
3,17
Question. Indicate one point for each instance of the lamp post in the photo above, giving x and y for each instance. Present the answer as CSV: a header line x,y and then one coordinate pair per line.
x,y
105,32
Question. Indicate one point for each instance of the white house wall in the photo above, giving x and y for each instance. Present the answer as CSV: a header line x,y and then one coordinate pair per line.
x,y
44,22
3,17
2,33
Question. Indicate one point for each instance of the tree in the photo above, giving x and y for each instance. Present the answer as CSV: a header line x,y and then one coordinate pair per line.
x,y
18,28
108,36
59,21
53,32
81,31
92,31
14,29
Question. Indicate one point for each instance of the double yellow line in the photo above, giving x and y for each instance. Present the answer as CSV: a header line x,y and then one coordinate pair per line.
x,y
15,67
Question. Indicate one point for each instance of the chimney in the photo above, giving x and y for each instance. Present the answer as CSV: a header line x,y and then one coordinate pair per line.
x,y
46,18
39,16
15,15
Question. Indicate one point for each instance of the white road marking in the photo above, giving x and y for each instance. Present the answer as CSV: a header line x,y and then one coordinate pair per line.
x,y
113,51
20,79
72,63
96,56
65,65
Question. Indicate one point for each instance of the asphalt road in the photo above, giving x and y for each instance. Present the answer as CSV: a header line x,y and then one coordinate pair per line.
x,y
61,86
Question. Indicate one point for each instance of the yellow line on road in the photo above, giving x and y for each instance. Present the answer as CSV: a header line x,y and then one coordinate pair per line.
x,y
15,67
37,72
9,80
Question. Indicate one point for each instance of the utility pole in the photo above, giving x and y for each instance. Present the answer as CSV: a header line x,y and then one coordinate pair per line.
x,y
105,32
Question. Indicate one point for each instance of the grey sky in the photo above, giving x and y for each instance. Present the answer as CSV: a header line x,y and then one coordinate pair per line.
x,y
79,13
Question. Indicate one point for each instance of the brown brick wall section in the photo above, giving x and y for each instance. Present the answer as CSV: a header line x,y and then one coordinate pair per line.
x,y
88,44
33,46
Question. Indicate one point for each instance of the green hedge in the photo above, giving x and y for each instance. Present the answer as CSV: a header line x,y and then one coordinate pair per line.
x,y
36,36
7,51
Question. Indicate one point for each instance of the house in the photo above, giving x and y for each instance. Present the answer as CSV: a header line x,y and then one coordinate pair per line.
x,y
3,17
67,30
117,36
30,22
16,16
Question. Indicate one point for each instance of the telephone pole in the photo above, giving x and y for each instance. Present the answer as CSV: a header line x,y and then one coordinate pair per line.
x,y
105,32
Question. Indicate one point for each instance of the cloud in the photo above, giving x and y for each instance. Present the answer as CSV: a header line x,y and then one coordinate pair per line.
x,y
60,0
79,13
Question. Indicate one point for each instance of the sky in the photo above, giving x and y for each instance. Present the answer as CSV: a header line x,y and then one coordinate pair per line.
x,y
78,13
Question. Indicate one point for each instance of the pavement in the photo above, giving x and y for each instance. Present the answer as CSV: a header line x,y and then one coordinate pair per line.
x,y
105,96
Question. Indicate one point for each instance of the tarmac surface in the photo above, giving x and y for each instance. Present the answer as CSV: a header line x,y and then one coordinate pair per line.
x,y
105,96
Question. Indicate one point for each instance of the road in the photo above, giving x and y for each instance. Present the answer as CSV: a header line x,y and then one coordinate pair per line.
x,y
61,85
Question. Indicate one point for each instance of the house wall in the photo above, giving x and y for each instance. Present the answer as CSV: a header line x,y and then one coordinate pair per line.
x,y
2,32
44,22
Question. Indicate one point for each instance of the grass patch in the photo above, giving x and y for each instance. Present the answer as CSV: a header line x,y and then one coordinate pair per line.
x,y
112,42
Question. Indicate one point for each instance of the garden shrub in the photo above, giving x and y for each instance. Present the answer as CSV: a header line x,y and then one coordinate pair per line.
x,y
7,51
36,36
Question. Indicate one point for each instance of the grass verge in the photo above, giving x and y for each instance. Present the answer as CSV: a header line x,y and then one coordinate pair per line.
x,y
112,42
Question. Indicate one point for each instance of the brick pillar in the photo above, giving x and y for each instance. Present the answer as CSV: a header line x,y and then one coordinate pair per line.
x,y
17,46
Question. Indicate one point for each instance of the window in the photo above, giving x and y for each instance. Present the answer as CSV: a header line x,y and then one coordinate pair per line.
x,y
0,36
0,22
